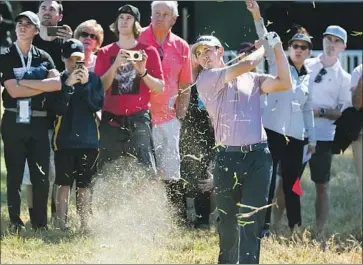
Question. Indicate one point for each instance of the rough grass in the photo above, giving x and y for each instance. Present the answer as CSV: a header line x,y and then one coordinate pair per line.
x,y
133,225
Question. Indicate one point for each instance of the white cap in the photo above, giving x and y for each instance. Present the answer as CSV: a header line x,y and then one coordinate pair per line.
x,y
206,40
337,32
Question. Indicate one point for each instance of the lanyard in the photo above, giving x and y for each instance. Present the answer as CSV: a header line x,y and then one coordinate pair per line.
x,y
29,62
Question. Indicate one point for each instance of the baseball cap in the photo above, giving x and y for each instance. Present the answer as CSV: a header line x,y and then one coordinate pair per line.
x,y
302,37
33,18
206,40
337,32
72,47
129,9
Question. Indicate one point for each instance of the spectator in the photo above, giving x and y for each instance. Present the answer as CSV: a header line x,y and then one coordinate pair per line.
x,y
288,119
76,135
357,98
243,168
25,121
50,14
330,85
197,158
90,33
126,120
169,107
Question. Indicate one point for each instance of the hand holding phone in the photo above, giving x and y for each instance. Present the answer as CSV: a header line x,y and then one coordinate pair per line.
x,y
79,65
63,32
82,75
53,30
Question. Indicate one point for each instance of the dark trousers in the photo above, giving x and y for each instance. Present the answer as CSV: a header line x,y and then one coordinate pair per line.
x,y
241,178
31,142
175,192
287,162
129,136
197,141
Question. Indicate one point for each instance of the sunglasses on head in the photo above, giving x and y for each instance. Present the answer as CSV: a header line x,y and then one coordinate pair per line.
x,y
320,75
302,47
86,34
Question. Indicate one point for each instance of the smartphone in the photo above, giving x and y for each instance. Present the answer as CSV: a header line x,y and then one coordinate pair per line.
x,y
79,64
53,30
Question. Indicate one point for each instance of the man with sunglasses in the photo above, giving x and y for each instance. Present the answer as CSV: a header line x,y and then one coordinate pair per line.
x,y
330,85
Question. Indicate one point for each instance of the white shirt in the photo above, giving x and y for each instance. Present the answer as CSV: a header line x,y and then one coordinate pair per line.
x,y
330,93
92,64
356,75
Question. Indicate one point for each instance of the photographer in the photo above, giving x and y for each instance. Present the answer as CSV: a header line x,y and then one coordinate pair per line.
x,y
128,81
26,77
75,140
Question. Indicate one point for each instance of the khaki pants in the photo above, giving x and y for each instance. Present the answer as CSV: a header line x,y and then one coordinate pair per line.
x,y
357,154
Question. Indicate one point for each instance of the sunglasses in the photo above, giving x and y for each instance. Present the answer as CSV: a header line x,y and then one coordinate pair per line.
x,y
86,34
161,53
302,47
320,75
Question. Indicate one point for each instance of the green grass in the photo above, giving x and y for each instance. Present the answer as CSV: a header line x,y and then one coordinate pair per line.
x,y
138,229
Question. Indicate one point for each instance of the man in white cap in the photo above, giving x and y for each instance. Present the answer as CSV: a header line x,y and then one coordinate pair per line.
x,y
330,92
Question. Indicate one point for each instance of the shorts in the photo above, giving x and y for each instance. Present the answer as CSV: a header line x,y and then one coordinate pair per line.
x,y
75,165
166,138
320,162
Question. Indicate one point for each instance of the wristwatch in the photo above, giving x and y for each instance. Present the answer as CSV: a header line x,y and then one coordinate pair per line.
x,y
322,112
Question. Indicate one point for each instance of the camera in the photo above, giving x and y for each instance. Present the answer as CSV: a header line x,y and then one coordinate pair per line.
x,y
135,55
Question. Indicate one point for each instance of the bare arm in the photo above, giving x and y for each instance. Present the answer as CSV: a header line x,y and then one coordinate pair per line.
x,y
282,81
16,91
154,84
245,65
182,101
108,77
357,98
45,85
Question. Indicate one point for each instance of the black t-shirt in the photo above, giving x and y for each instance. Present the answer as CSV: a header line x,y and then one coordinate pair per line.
x,y
12,64
54,48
